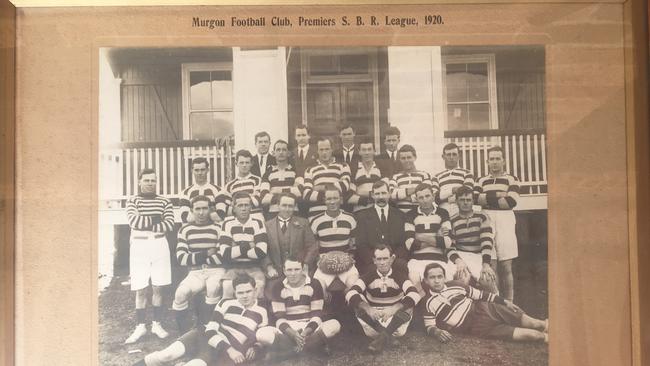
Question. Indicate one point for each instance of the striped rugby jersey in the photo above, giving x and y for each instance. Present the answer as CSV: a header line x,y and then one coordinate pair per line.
x,y
303,304
450,179
219,199
361,186
277,181
336,174
418,222
402,181
382,291
472,234
334,233
449,308
234,325
194,240
235,241
150,213
487,187
249,184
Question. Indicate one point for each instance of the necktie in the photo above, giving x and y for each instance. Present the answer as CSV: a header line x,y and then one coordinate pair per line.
x,y
383,217
284,226
347,156
302,154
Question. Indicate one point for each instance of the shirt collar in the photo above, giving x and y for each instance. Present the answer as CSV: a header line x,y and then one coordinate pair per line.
x,y
349,150
435,208
284,220
378,209
286,283
390,272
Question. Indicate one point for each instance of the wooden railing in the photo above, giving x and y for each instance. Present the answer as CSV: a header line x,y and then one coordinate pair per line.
x,y
525,154
119,167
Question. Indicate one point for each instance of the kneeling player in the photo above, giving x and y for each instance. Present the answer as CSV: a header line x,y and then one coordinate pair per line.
x,y
197,248
383,300
297,304
459,308
229,337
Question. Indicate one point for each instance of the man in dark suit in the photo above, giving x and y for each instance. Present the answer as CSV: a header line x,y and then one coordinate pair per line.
x,y
303,155
348,153
380,224
262,160
388,158
289,236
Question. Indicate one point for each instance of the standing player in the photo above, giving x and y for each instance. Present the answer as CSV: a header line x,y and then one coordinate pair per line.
x,y
229,338
297,304
403,184
279,178
197,249
246,182
498,193
262,161
383,300
452,178
389,157
150,217
367,174
427,236
348,153
326,173
304,154
219,199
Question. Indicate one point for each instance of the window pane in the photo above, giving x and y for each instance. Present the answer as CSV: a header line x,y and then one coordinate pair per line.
x,y
354,64
479,116
210,125
200,90
457,117
221,90
322,65
456,87
477,82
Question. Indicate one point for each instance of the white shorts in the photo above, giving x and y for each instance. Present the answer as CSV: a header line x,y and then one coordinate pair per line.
x,y
474,262
149,260
348,277
371,332
505,239
200,279
416,270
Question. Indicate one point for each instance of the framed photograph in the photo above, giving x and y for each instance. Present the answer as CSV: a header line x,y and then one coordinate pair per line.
x,y
432,184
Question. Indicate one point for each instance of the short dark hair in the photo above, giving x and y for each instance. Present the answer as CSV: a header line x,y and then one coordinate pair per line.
x,y
145,171
199,198
262,134
380,183
422,186
407,148
200,160
240,194
346,126
450,146
242,279
301,127
382,247
324,138
243,153
497,148
392,131
292,258
367,140
463,190
431,266
280,142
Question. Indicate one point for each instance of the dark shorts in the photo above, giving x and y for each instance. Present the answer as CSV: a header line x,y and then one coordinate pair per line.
x,y
491,320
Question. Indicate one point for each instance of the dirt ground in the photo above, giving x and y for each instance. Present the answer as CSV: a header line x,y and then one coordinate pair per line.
x,y
116,315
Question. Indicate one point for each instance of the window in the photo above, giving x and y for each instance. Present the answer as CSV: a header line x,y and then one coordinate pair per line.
x,y
207,101
470,92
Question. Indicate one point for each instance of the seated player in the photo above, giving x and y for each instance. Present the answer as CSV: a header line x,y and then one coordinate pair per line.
x,y
473,241
297,304
229,338
454,307
243,245
383,300
427,236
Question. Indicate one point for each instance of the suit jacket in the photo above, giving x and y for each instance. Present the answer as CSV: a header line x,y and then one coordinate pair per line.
x,y
390,166
302,243
370,233
255,164
309,159
354,163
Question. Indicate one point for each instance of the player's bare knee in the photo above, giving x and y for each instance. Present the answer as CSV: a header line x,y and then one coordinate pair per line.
x,y
331,328
265,335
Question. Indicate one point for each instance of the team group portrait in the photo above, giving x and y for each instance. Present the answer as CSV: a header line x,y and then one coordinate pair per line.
x,y
323,206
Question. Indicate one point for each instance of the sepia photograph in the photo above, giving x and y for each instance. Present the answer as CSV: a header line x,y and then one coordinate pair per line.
x,y
323,205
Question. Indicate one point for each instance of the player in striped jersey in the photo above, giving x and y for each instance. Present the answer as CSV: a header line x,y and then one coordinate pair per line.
x,y
197,249
150,217
219,199
452,178
459,308
228,338
383,300
242,245
403,184
297,304
426,229
498,194
367,173
246,182
281,178
334,231
325,173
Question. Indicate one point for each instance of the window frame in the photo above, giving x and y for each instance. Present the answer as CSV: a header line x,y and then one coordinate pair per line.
x,y
489,59
186,69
